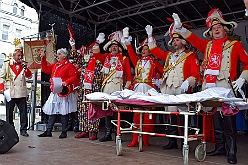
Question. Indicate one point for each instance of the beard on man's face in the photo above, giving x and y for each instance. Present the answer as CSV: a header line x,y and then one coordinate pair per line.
x,y
114,51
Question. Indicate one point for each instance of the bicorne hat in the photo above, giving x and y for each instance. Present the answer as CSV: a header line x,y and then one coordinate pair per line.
x,y
115,39
173,34
215,17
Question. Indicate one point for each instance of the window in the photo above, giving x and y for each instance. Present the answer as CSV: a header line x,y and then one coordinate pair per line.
x,y
22,11
2,58
15,8
5,32
18,33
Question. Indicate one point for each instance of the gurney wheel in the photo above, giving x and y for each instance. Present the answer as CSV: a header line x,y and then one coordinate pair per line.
x,y
118,147
185,152
200,153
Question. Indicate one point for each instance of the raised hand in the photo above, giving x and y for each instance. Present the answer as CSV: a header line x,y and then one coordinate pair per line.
x,y
101,38
71,41
177,21
125,32
148,29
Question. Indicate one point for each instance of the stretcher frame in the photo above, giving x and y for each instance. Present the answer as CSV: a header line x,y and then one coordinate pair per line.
x,y
200,151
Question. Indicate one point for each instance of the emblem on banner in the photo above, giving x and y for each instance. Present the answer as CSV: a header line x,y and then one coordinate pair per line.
x,y
33,50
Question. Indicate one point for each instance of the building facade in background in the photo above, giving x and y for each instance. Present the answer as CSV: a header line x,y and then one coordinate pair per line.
x,y
17,20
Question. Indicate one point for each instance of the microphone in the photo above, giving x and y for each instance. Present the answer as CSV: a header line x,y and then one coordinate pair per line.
x,y
23,65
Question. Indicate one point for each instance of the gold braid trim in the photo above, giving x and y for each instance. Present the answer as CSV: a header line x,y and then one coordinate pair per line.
x,y
167,61
143,81
205,60
107,78
180,60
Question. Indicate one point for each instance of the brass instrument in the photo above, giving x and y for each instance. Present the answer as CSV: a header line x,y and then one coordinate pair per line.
x,y
8,76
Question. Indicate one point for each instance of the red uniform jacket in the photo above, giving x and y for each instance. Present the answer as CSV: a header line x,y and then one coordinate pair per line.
x,y
155,72
65,70
190,67
125,63
237,53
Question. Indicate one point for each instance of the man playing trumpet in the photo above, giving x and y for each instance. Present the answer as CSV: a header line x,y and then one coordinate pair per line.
x,y
13,75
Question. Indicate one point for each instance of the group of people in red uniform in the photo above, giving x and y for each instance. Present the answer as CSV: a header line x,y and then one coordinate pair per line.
x,y
111,71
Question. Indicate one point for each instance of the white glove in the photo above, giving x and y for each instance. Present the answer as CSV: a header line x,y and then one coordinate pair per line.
x,y
246,12
238,83
125,32
154,81
148,29
100,38
177,21
126,41
185,85
157,82
151,39
71,41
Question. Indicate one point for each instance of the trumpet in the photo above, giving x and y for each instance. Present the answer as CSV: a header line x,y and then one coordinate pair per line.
x,y
9,76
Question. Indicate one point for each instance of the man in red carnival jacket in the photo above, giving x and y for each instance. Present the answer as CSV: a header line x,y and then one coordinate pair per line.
x,y
147,70
181,73
220,62
116,71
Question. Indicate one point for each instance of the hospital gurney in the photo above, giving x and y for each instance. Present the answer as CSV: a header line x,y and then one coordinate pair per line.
x,y
200,151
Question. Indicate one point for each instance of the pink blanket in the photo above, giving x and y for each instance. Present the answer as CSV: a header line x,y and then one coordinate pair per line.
x,y
96,112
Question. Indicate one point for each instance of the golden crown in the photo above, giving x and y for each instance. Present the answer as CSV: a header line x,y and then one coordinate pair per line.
x,y
17,41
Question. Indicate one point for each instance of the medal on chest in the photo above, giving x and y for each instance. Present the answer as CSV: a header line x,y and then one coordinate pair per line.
x,y
142,67
114,62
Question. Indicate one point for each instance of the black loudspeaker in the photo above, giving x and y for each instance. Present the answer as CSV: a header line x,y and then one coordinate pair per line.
x,y
8,137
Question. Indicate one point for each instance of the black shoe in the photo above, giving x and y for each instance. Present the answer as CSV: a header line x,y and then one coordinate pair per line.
x,y
106,138
63,135
25,134
170,145
231,159
217,152
75,129
45,134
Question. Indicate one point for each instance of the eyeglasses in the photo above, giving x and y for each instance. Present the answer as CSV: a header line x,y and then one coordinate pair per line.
x,y
218,26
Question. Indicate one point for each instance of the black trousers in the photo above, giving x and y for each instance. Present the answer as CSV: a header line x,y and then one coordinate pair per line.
x,y
225,131
22,106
